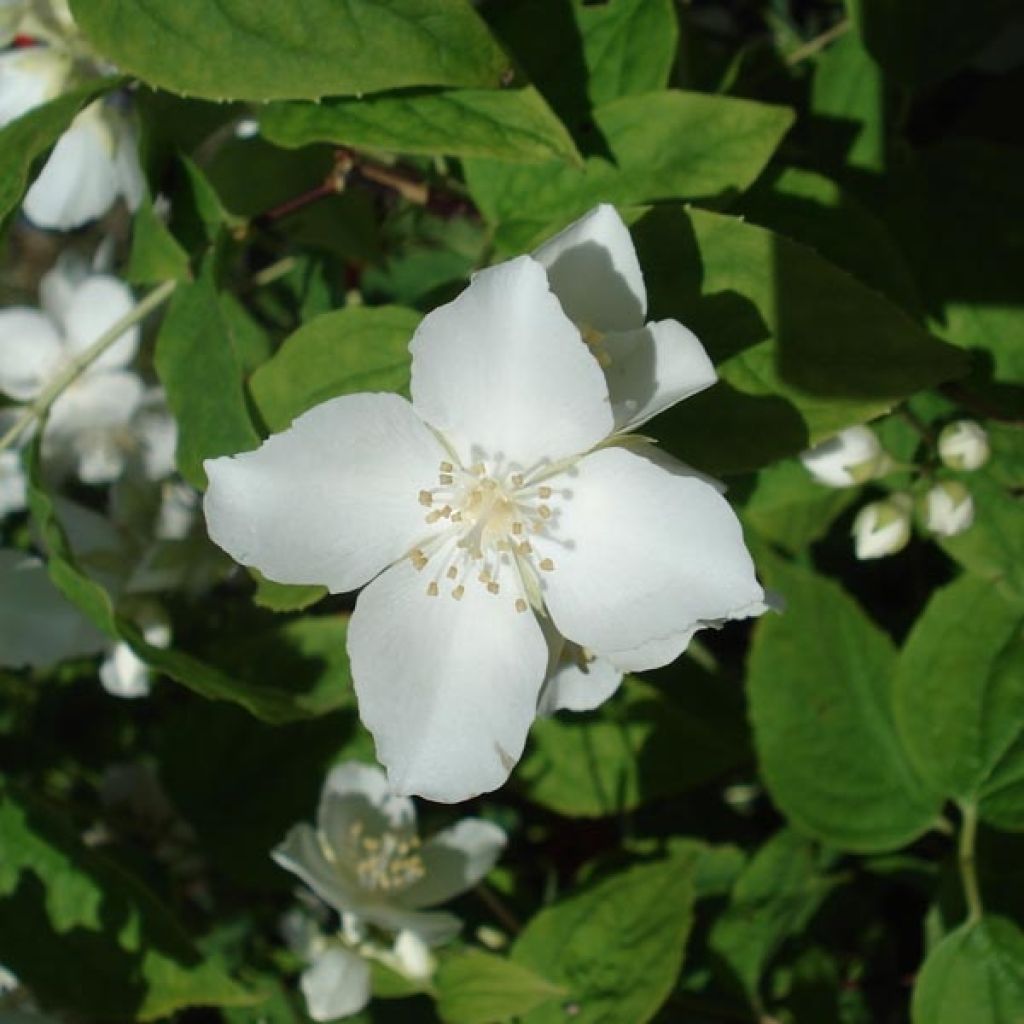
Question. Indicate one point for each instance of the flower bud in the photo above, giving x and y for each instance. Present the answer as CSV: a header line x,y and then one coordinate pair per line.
x,y
852,457
964,445
948,509
882,527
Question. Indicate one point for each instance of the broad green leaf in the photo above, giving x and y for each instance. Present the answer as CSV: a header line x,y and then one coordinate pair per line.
x,y
921,41
474,987
265,50
993,547
645,743
820,679
660,145
285,597
30,136
773,899
201,373
156,254
511,124
959,695
628,47
83,934
788,507
802,348
339,353
974,976
616,945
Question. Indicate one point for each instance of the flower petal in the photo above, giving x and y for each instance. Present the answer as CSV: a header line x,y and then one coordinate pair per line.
x,y
124,674
448,688
652,368
593,269
502,371
578,683
641,553
360,793
337,985
29,78
30,351
94,307
454,861
13,486
332,499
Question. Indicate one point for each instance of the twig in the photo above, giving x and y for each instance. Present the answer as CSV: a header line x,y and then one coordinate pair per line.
x,y
812,46
497,907
968,868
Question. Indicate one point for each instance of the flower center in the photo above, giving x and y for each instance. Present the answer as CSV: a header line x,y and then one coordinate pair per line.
x,y
491,513
385,862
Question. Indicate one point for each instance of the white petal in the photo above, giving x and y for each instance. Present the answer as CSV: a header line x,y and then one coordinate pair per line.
x,y
845,460
30,352
502,371
124,674
39,626
13,486
641,553
156,433
97,401
29,78
94,307
652,368
58,285
413,957
360,793
448,688
578,682
332,499
337,985
131,183
594,271
79,181
454,861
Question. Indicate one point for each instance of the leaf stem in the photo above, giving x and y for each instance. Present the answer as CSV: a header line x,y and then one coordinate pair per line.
x,y
41,406
812,46
497,907
968,870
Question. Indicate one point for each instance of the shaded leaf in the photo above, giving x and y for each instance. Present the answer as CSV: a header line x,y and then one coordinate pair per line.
x,y
474,987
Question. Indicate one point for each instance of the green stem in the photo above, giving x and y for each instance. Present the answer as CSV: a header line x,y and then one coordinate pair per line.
x,y
968,869
41,406
813,46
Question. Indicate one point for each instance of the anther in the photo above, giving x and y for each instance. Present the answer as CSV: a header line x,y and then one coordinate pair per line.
x,y
547,565
545,492
493,588
526,548
447,467
517,528
517,479
426,498
432,590
445,478
520,605
419,560
543,511
477,469
432,517
452,572
458,592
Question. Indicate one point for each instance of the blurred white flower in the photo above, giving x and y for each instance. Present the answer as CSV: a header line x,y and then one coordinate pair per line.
x,y
500,496
883,527
336,985
13,485
964,445
852,457
365,858
949,509
122,672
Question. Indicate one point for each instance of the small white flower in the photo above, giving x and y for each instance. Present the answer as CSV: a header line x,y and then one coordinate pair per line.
x,y
949,509
91,423
499,495
852,457
366,860
883,527
122,672
964,445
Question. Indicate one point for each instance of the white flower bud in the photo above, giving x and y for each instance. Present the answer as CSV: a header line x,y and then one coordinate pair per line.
x,y
882,527
853,456
964,445
949,509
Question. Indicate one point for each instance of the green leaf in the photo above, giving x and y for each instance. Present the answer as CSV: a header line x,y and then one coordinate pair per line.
x,y
32,135
773,899
974,976
88,937
340,353
788,507
647,742
662,145
156,254
922,41
820,681
616,945
958,696
474,987
201,373
802,348
285,597
265,50
512,124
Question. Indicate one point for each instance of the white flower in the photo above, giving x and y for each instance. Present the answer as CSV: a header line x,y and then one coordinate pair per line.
x,y
336,985
13,485
122,672
106,417
852,457
499,495
964,445
883,527
949,509
366,860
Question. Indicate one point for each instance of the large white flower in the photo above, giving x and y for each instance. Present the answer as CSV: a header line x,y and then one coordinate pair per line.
x,y
365,858
499,499
106,418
